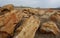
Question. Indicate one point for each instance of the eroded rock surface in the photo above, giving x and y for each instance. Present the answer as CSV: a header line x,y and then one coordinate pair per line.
x,y
50,27
25,22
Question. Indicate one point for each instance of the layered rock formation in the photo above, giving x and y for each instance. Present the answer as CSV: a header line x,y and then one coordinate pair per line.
x,y
25,22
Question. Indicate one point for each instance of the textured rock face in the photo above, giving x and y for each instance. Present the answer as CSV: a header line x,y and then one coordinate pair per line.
x,y
9,7
9,21
28,28
50,27
55,17
25,22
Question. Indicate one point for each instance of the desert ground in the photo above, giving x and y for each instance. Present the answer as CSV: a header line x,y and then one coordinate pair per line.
x,y
26,22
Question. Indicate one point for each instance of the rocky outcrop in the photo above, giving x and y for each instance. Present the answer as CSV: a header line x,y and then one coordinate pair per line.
x,y
25,22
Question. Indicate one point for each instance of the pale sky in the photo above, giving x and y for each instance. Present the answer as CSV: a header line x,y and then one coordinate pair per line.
x,y
32,3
